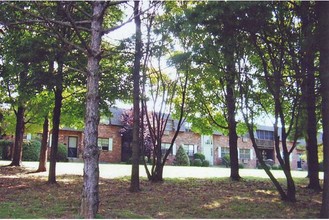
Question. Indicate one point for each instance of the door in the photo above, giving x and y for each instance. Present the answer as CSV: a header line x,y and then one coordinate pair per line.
x,y
72,147
207,145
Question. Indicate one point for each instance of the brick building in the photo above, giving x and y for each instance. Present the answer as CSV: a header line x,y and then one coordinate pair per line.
x,y
114,148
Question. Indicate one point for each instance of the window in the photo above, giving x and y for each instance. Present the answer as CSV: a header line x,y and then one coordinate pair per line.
x,y
164,148
105,144
188,126
207,139
265,135
244,154
224,151
189,148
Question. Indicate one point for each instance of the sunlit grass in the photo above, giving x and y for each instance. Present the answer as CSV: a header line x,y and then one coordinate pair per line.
x,y
28,196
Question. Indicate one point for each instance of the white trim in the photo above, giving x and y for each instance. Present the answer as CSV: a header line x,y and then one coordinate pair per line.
x,y
50,139
195,148
219,152
251,154
110,144
174,149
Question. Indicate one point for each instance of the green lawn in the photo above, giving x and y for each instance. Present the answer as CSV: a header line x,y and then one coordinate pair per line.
x,y
28,196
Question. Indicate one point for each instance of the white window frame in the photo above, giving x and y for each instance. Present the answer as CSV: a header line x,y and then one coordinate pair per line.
x,y
109,144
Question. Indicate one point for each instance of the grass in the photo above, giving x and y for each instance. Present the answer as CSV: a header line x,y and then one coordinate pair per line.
x,y
24,195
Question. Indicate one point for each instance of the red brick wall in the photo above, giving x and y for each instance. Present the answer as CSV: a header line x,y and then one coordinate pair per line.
x,y
63,138
110,131
114,156
104,131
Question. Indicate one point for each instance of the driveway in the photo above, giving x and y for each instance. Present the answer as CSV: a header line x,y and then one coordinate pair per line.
x,y
121,170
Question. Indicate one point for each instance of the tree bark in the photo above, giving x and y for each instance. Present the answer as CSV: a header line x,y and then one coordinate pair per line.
x,y
43,151
230,77
56,122
309,97
90,192
323,37
19,133
134,184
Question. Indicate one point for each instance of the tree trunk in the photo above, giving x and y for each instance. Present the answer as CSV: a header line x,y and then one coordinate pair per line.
x,y
309,97
233,137
134,184
230,78
157,175
323,34
56,122
44,147
19,133
90,191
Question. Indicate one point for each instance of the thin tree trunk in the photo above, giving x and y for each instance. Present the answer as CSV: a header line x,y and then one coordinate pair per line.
x,y
19,133
56,122
231,111
308,92
90,192
323,34
134,184
230,78
43,151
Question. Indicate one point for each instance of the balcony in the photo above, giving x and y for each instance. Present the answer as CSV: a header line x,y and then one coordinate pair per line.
x,y
265,144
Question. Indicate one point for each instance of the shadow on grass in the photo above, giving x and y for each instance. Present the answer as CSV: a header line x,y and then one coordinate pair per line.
x,y
29,196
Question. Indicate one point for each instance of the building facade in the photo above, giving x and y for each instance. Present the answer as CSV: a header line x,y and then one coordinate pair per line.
x,y
115,148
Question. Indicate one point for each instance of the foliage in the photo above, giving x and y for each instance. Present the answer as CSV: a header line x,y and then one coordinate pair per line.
x,y
197,162
205,163
62,153
31,150
226,160
5,146
199,156
182,158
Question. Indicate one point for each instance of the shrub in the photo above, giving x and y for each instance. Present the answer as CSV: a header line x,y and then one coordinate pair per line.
x,y
5,146
321,166
141,161
276,167
62,153
31,150
197,162
205,163
226,160
241,166
199,156
182,158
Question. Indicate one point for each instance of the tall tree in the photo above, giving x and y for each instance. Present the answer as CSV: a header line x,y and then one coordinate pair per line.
x,y
275,76
134,186
308,87
90,193
323,37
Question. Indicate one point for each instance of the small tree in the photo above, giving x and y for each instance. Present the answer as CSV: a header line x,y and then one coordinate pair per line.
x,y
182,158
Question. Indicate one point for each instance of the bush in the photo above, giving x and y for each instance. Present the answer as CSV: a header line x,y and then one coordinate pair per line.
x,y
31,150
199,156
276,167
182,158
241,166
197,162
141,161
62,153
5,146
205,163
321,166
227,160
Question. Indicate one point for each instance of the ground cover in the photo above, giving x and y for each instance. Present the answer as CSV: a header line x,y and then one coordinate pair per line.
x,y
23,195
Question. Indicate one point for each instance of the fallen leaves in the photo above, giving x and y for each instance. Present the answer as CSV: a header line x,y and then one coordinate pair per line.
x,y
25,195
